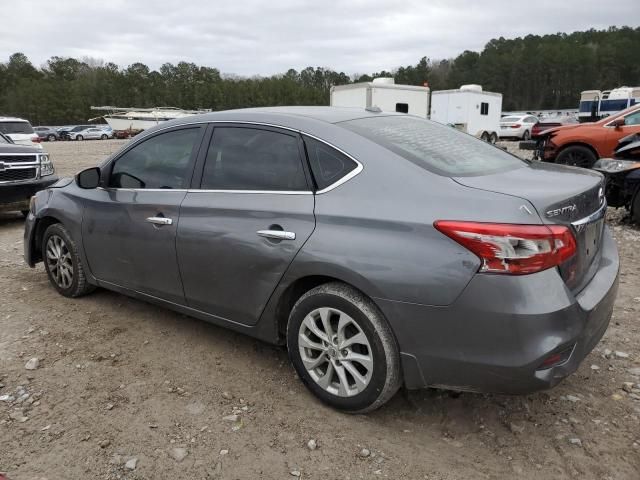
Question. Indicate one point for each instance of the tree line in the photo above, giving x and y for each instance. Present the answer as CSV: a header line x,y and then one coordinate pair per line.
x,y
533,72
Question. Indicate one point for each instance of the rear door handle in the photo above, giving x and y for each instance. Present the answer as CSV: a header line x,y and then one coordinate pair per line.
x,y
277,234
160,220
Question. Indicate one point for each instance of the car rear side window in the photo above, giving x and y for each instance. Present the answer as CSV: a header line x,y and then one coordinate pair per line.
x,y
253,159
328,165
437,148
162,161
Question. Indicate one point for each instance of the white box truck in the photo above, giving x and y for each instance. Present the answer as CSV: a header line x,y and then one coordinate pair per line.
x,y
469,109
384,94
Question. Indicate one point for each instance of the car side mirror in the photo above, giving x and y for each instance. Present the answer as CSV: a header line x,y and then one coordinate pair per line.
x,y
618,122
89,178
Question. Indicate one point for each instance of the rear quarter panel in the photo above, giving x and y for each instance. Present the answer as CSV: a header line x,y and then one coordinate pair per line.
x,y
376,230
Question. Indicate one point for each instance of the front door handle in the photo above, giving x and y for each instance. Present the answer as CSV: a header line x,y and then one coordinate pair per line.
x,y
277,234
160,220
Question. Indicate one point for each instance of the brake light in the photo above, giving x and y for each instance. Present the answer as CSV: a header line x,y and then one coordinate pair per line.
x,y
36,139
511,248
517,125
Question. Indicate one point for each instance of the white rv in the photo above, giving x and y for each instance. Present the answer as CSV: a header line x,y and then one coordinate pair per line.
x,y
384,94
469,109
589,105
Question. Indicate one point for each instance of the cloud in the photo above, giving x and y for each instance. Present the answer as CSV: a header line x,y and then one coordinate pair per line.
x,y
250,37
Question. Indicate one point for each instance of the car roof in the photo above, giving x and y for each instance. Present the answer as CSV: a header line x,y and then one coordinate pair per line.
x,y
323,114
13,119
307,119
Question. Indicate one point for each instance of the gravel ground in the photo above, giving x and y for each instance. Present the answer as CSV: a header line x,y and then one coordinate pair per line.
x,y
124,389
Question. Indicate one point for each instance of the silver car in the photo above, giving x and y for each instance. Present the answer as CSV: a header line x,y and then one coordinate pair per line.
x,y
90,134
382,249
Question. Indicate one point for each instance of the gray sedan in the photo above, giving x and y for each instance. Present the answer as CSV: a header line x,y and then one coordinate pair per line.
x,y
382,249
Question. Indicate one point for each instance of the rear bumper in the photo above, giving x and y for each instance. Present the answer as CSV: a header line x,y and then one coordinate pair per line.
x,y
15,195
496,335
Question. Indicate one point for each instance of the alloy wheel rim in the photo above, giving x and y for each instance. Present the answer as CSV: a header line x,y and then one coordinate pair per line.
x,y
59,262
335,352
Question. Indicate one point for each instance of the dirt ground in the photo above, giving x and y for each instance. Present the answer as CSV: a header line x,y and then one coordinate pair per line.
x,y
125,389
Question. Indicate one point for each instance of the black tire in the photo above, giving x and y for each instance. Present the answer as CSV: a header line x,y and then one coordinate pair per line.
x,y
526,135
484,137
493,138
577,156
79,138
385,378
78,285
51,138
103,137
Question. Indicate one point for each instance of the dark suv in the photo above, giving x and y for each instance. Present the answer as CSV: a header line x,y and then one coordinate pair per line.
x,y
23,172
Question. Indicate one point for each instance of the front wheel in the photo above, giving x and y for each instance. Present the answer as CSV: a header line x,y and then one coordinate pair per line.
x,y
79,138
526,135
63,263
342,348
103,137
577,156
51,138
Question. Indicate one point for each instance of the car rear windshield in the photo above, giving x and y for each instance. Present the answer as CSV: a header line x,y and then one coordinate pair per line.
x,y
510,119
16,127
438,148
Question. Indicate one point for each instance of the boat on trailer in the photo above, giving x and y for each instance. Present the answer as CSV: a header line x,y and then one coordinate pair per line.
x,y
137,119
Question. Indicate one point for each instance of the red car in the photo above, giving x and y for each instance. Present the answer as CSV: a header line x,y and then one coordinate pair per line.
x,y
582,144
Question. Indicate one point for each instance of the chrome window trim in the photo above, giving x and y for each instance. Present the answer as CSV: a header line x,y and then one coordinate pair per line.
x,y
197,190
334,185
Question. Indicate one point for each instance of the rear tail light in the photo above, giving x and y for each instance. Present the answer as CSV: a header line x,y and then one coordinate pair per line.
x,y
511,248
36,139
517,125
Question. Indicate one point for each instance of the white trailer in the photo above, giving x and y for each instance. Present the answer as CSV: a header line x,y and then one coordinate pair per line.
x,y
469,109
384,94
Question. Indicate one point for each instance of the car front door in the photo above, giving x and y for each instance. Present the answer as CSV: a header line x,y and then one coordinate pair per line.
x,y
242,227
129,224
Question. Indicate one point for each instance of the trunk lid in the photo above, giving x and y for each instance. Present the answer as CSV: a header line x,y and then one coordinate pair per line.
x,y
561,195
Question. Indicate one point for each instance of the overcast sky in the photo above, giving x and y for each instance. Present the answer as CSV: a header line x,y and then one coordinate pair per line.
x,y
265,37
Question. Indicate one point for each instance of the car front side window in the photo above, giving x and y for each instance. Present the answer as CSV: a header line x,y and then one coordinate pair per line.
x,y
632,118
160,162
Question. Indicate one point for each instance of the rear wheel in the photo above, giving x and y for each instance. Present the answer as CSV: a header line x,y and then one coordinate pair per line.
x,y
493,138
51,138
343,349
526,135
63,263
577,156
103,137
484,137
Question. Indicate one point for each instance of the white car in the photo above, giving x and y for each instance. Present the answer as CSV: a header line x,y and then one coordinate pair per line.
x,y
90,134
517,126
20,131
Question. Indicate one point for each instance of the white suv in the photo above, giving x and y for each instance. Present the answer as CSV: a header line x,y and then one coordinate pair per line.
x,y
20,131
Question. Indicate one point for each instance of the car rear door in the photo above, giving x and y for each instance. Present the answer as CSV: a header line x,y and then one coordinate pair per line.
x,y
245,222
129,224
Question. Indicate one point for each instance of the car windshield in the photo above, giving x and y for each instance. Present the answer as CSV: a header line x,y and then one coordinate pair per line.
x,y
16,127
435,147
3,139
510,119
